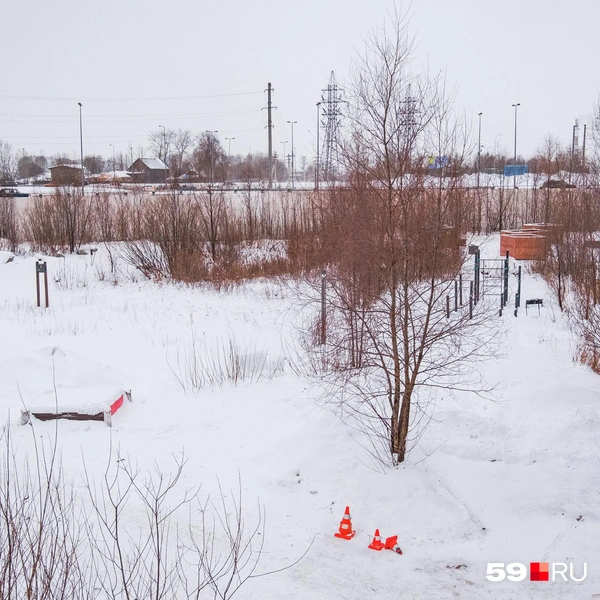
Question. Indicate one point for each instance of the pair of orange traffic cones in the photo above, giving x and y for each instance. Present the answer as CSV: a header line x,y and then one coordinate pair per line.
x,y
346,532
390,543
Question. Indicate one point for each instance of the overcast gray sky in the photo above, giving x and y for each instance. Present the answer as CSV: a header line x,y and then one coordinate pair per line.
x,y
204,65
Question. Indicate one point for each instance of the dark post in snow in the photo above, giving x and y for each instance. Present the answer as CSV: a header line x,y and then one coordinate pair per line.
x,y
477,274
455,295
460,285
448,306
473,249
41,269
506,279
470,300
519,289
323,310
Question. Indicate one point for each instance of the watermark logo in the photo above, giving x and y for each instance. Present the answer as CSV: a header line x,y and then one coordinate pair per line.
x,y
538,571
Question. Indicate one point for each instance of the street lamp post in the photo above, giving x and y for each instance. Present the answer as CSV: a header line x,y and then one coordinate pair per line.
x,y
292,123
165,148
284,156
81,147
114,162
317,165
515,106
479,151
229,147
229,152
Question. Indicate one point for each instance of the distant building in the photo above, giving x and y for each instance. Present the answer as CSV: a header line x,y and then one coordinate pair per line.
x,y
148,170
65,175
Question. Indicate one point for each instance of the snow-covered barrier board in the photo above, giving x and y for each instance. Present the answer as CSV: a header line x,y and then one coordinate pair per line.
x,y
89,404
54,383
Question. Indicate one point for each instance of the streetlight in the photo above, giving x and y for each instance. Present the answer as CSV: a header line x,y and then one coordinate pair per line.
x,y
318,127
81,144
516,106
114,162
229,152
165,147
479,151
229,147
292,123
284,156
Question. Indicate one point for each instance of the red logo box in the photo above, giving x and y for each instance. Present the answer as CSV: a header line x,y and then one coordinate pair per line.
x,y
539,571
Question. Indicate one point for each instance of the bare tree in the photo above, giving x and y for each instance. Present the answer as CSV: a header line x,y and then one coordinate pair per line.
x,y
31,166
94,164
161,142
8,162
394,251
209,158
182,144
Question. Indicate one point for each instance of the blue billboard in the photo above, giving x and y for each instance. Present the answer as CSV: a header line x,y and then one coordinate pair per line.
x,y
513,170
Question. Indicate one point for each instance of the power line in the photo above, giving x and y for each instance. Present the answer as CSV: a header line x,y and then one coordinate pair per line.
x,y
125,99
123,118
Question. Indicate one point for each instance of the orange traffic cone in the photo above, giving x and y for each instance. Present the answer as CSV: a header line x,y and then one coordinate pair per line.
x,y
377,544
391,543
346,532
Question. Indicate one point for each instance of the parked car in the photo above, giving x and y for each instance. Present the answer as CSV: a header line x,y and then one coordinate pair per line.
x,y
12,193
557,184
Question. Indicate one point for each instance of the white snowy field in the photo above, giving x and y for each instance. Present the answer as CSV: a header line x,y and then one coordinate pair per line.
x,y
513,479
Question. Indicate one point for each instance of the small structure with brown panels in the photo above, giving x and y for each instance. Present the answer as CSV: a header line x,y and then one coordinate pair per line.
x,y
528,243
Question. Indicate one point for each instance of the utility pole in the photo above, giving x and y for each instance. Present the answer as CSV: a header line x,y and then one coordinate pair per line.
x,y
292,123
165,148
114,163
574,144
516,106
583,149
270,128
81,143
479,151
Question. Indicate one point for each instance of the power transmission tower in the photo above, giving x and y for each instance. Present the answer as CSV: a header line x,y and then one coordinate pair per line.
x,y
331,103
409,115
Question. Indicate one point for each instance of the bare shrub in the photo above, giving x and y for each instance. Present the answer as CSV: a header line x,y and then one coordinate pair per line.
x,y
204,365
69,275
217,552
60,222
132,535
9,224
42,530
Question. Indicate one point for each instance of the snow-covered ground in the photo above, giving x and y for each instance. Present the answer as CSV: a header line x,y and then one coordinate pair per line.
x,y
513,479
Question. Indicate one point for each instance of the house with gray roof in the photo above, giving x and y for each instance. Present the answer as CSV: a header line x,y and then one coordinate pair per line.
x,y
148,170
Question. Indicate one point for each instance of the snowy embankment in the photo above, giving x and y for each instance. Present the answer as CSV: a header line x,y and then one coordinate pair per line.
x,y
509,479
